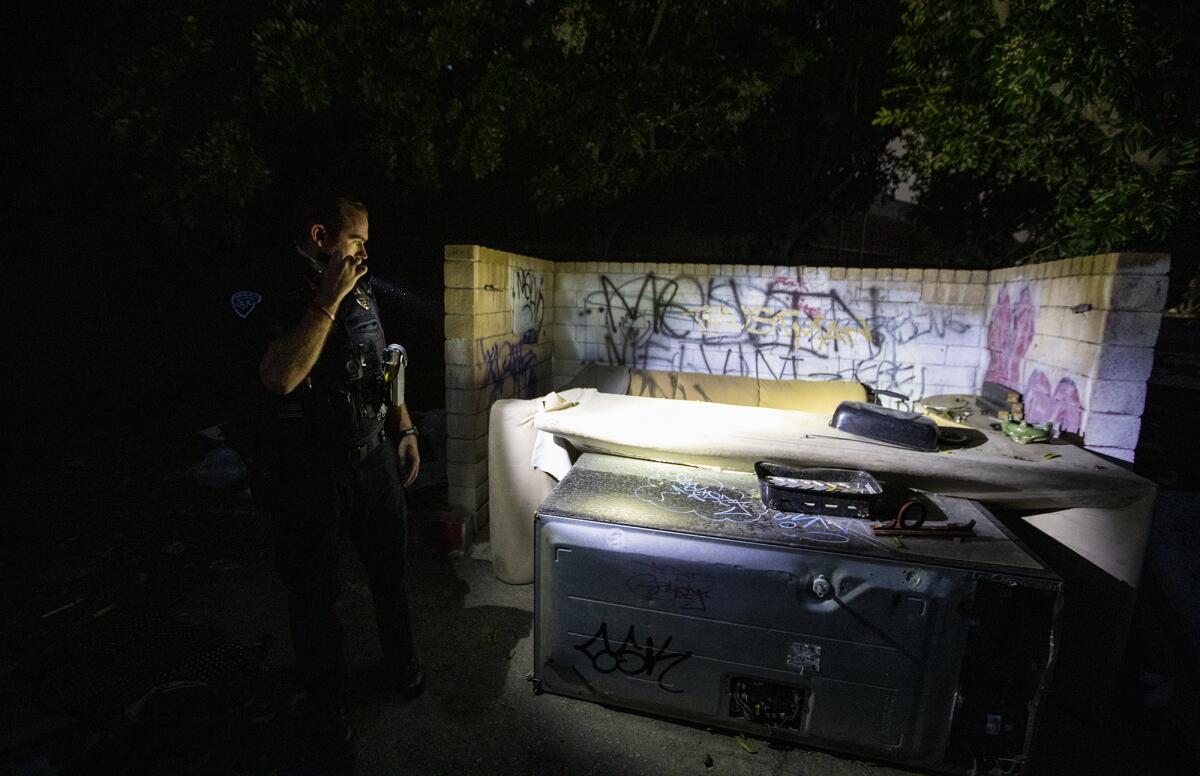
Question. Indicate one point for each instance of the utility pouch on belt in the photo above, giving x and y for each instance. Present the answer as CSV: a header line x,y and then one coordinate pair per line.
x,y
395,359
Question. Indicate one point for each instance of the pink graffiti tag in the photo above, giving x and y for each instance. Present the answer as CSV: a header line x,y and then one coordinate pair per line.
x,y
1010,334
1062,406
797,288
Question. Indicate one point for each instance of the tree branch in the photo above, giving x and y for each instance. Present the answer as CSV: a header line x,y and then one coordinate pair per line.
x,y
658,17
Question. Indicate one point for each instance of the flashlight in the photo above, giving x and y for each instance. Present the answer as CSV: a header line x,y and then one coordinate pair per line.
x,y
395,359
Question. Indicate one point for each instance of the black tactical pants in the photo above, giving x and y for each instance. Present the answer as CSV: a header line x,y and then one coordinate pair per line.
x,y
312,505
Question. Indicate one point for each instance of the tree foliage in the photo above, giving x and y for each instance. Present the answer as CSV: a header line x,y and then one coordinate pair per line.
x,y
583,103
1075,124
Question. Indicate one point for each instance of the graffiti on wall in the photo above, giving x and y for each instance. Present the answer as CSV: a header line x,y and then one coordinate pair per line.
x,y
1061,406
528,303
1010,335
509,369
775,328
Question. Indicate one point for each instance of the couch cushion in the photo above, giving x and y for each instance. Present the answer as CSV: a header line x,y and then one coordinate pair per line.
x,y
651,383
726,389
821,396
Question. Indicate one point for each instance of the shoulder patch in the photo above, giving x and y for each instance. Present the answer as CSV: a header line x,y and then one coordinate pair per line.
x,y
244,302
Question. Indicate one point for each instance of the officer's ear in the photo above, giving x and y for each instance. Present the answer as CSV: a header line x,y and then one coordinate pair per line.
x,y
318,233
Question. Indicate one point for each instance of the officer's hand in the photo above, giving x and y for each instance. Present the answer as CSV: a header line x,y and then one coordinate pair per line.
x,y
341,274
410,459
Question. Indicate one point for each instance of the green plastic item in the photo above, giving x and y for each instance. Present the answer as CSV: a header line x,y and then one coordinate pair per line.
x,y
1023,433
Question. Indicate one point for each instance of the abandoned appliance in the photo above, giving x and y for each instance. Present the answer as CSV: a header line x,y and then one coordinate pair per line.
x,y
675,590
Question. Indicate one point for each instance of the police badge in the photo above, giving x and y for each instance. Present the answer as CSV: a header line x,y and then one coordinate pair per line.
x,y
244,302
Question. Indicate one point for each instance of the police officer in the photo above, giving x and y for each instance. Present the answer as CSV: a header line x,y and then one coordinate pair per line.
x,y
326,453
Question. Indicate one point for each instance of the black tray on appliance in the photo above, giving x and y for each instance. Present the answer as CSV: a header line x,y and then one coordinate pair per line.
x,y
827,492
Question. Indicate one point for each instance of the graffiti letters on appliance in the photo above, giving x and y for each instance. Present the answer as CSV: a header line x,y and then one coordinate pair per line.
x,y
632,657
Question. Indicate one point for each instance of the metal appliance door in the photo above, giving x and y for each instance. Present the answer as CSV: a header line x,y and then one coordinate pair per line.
x,y
847,652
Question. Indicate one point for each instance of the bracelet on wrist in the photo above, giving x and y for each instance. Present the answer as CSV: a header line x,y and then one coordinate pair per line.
x,y
322,309
410,431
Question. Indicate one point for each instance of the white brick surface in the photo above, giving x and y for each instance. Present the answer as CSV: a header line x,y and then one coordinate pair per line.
x,y
466,475
461,426
1119,362
953,375
469,498
476,326
564,280
964,356
900,292
1130,328
930,355
1125,397
1104,430
467,402
562,298
1088,326
969,295
1064,354
466,450
460,351
1049,350
463,377
1051,321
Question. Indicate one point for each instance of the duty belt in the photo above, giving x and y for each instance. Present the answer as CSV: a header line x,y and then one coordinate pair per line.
x,y
359,452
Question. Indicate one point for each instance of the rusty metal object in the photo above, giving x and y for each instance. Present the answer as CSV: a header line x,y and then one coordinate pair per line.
x,y
910,521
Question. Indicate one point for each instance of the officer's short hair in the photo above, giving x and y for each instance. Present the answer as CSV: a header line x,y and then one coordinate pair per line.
x,y
324,206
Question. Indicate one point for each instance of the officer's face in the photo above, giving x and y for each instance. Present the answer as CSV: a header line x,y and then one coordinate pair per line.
x,y
353,238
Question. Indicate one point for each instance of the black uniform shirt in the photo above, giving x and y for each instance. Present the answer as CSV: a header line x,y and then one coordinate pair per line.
x,y
340,404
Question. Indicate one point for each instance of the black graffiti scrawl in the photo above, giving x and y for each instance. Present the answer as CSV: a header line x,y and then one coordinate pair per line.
x,y
631,657
657,582
528,304
769,328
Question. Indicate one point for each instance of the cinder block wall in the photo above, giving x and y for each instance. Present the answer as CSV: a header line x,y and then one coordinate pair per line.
x,y
914,331
1076,338
496,347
